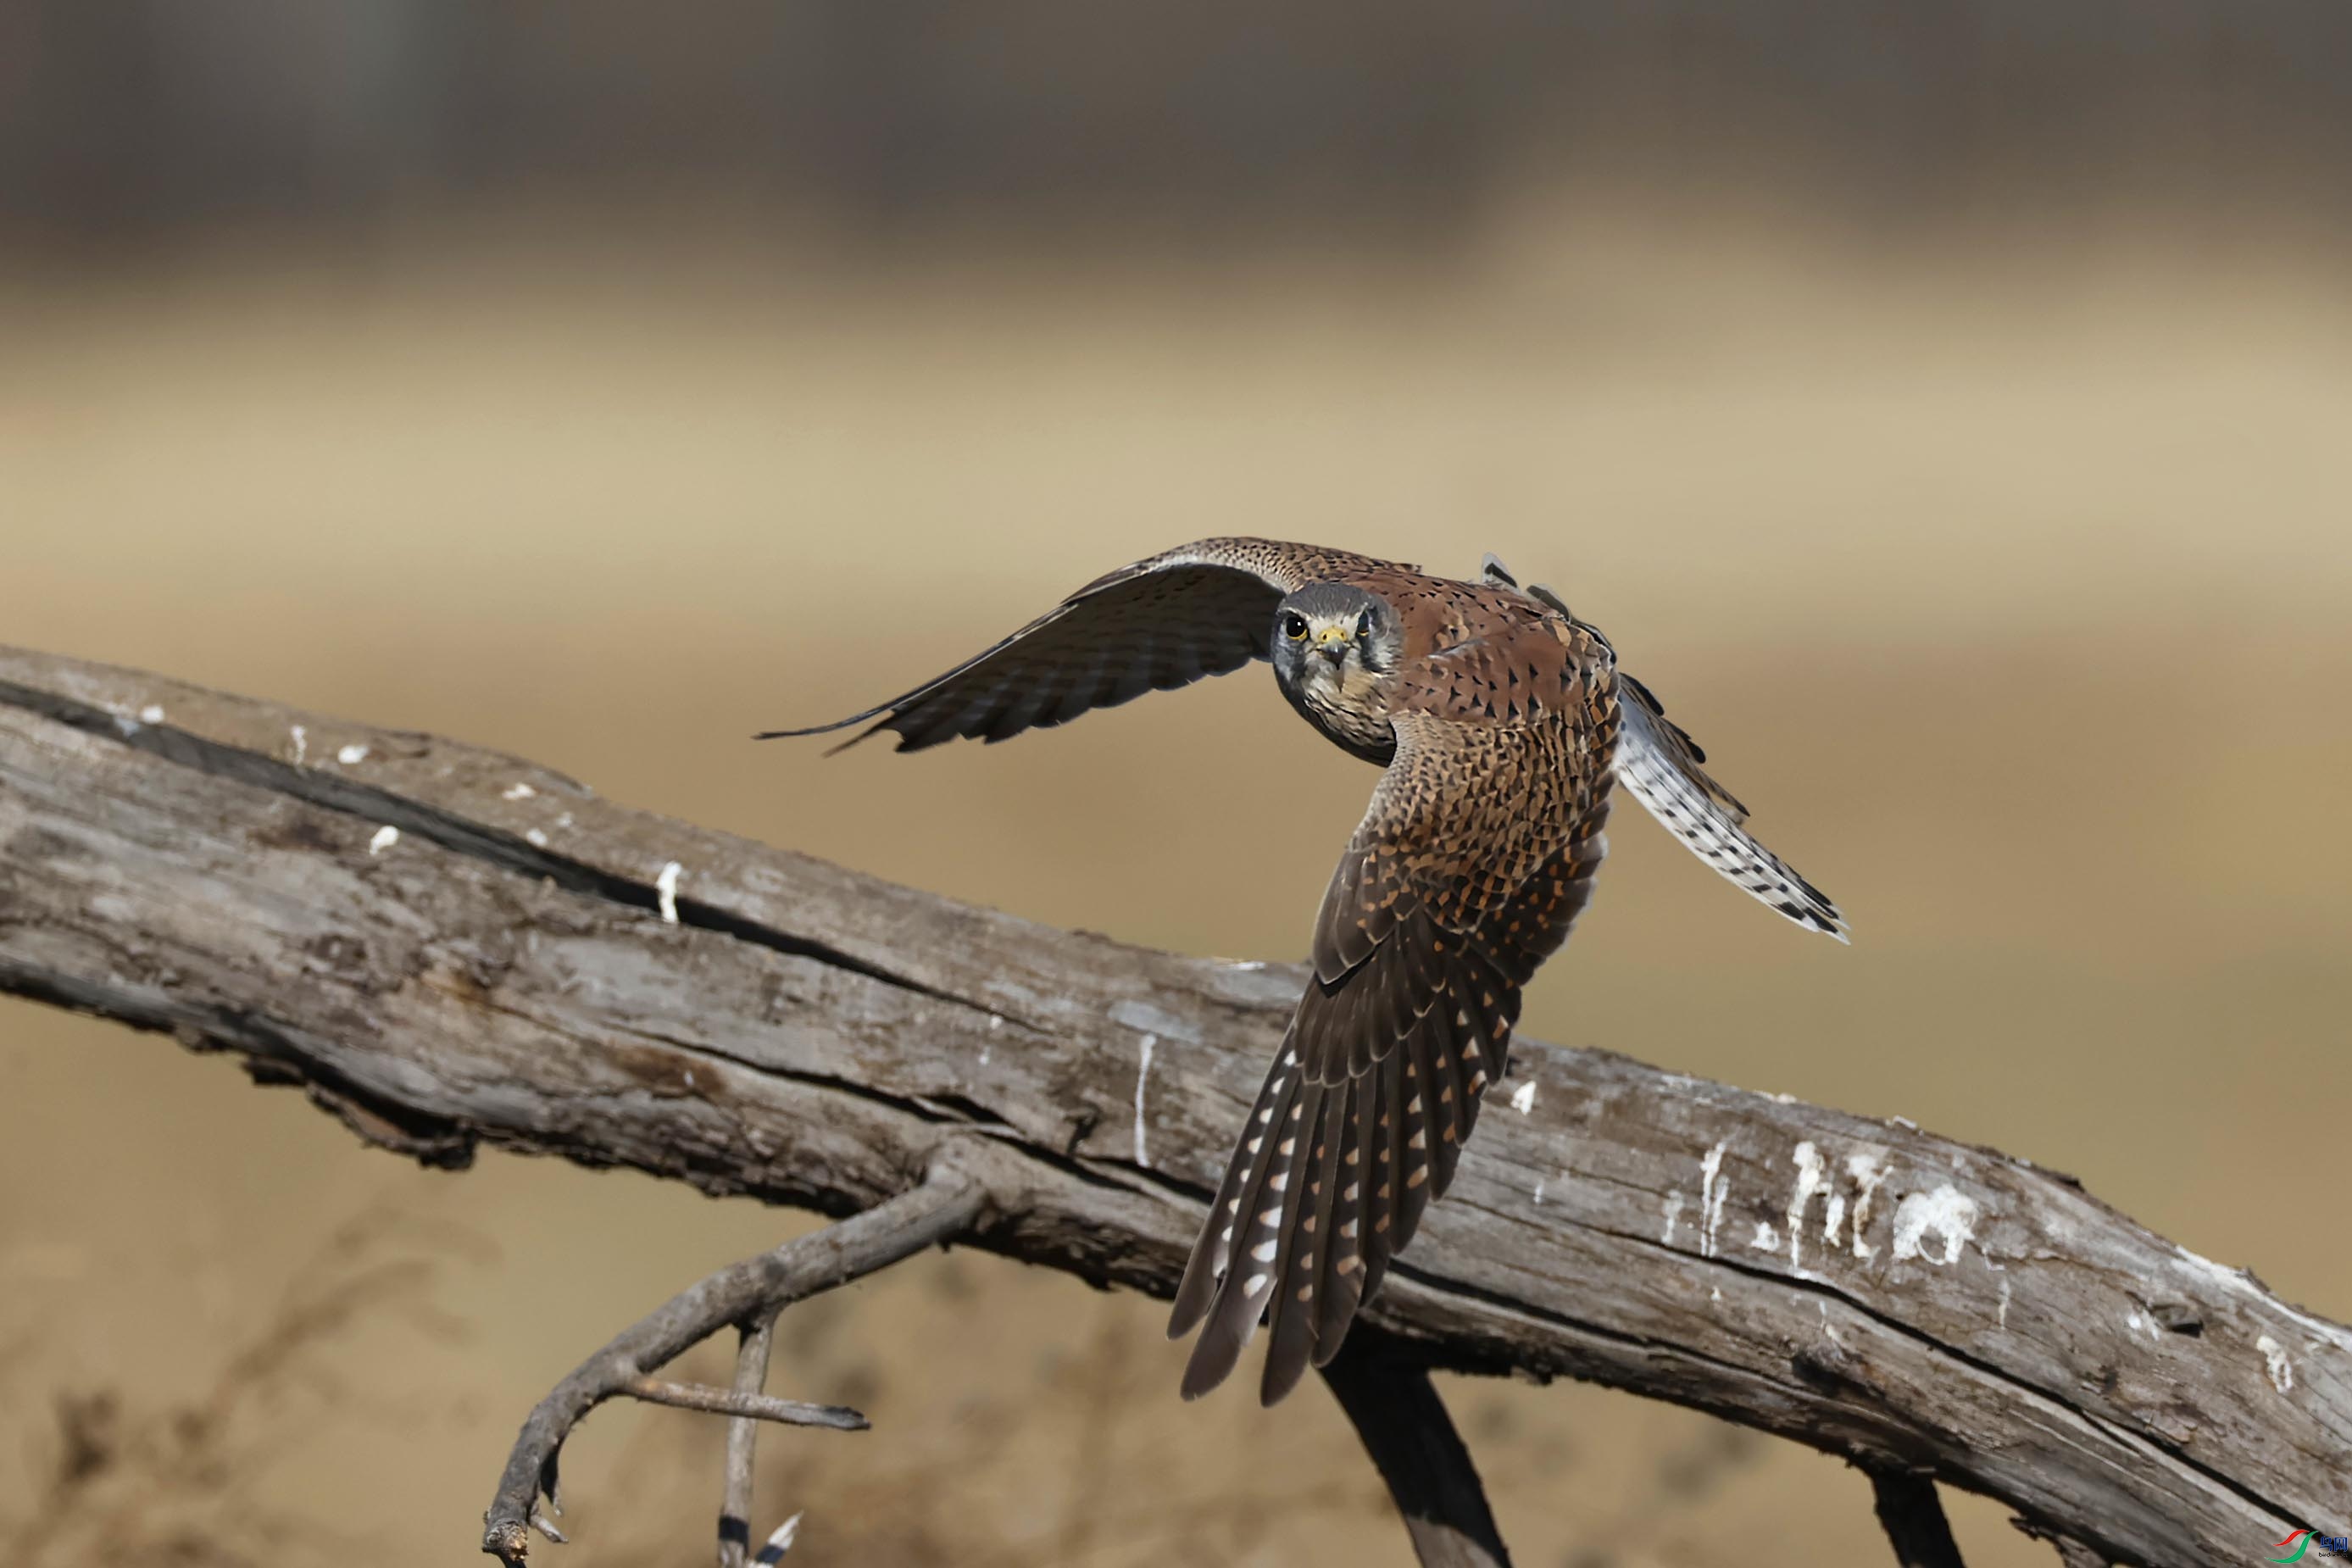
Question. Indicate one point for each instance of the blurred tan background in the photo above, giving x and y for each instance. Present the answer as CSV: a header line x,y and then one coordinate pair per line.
x,y
1944,409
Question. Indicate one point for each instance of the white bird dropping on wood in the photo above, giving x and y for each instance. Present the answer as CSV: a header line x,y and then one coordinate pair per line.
x,y
1809,1182
385,837
1946,1212
1142,1071
2281,1370
667,886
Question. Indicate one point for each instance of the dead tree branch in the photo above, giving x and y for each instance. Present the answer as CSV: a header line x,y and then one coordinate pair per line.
x,y
752,1292
443,946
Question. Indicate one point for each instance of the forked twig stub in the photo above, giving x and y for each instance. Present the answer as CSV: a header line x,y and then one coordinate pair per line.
x,y
747,1292
743,1405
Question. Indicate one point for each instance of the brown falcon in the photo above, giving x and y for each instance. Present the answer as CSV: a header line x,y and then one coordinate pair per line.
x,y
1502,724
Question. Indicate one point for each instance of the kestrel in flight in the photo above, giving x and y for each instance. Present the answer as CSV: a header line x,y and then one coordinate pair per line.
x,y
1503,725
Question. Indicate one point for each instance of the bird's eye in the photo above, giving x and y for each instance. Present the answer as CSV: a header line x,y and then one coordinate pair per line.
x,y
1294,625
1364,625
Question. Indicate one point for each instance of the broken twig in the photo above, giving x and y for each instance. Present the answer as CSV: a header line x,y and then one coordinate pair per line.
x,y
939,1209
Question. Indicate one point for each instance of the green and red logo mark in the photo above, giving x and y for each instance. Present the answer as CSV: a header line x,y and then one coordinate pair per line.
x,y
2303,1540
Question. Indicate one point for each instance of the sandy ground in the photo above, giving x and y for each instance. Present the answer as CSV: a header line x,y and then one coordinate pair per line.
x,y
2009,587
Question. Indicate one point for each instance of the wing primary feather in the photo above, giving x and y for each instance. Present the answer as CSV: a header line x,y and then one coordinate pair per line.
x,y
1215,1247
824,729
994,721
1413,1159
1340,1285
1241,1295
1306,1237
1384,1200
1490,1033
1447,1028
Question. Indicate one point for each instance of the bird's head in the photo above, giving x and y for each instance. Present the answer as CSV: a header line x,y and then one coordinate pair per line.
x,y
1330,638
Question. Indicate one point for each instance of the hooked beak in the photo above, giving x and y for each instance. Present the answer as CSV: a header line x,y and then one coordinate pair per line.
x,y
1332,642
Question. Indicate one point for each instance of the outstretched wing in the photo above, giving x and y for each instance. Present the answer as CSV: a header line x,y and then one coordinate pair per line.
x,y
1198,610
1661,764
1477,852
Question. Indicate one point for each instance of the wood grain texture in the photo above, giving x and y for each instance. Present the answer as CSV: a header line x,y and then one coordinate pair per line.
x,y
808,1035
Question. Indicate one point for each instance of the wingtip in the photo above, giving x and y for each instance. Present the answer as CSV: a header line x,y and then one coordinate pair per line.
x,y
1831,918
1214,1356
1198,1380
834,750
1278,1380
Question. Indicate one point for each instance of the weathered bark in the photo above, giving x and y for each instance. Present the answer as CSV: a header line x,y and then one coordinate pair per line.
x,y
444,946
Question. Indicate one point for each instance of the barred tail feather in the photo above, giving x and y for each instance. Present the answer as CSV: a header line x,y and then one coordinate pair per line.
x,y
1660,765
